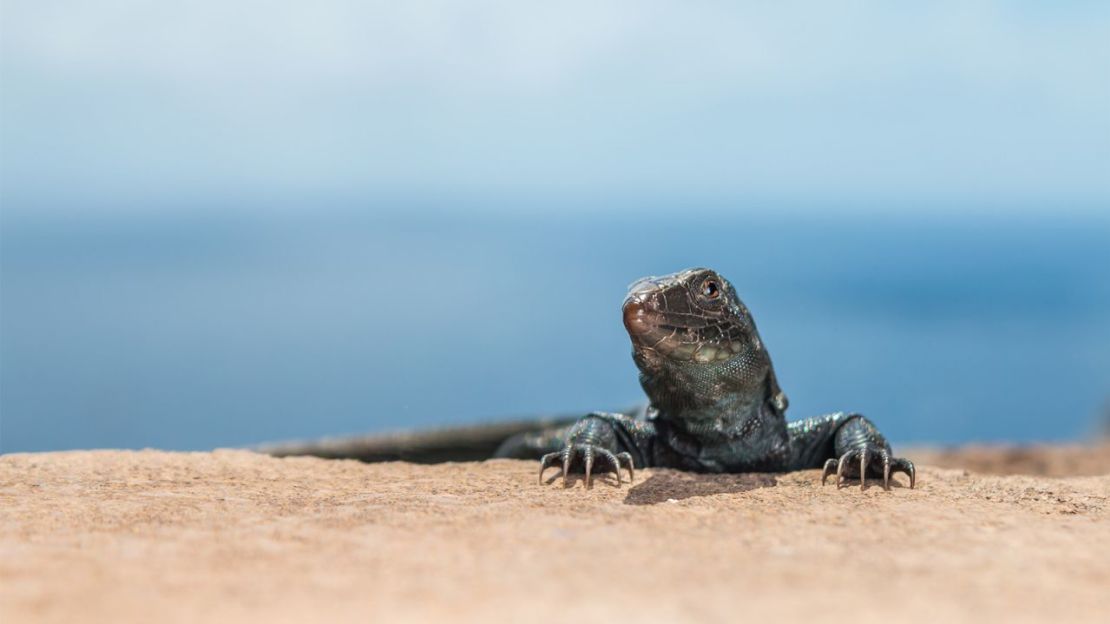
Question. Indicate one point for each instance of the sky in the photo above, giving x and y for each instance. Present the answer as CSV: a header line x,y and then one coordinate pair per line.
x,y
129,105
374,149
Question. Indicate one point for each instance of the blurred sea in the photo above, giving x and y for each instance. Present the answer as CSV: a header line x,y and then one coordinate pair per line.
x,y
192,332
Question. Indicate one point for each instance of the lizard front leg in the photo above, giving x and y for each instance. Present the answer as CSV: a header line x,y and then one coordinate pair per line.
x,y
610,439
849,446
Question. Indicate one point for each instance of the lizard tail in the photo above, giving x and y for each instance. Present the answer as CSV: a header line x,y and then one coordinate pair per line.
x,y
425,446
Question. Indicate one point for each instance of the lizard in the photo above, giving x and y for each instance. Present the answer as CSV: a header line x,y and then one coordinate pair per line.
x,y
714,405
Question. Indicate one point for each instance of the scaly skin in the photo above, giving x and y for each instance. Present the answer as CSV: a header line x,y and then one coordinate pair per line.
x,y
715,404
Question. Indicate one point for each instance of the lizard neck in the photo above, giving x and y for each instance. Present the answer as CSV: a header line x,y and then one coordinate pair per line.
x,y
709,397
713,404
742,431
717,428
724,420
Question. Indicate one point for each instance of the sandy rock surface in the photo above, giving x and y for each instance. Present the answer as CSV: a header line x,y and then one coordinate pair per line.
x,y
235,536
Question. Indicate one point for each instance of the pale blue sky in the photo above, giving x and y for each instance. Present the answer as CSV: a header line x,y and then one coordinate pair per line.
x,y
150,105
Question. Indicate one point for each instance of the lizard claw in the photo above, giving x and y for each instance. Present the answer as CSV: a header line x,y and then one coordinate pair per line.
x,y
904,465
841,466
613,461
860,462
830,468
546,462
587,454
625,457
886,471
863,468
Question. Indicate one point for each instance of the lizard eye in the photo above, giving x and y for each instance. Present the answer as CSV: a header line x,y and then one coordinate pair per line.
x,y
710,289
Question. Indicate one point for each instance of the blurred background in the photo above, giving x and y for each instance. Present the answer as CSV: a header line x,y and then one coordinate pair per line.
x,y
237,221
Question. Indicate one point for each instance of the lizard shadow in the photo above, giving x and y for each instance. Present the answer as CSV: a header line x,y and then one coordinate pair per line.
x,y
664,485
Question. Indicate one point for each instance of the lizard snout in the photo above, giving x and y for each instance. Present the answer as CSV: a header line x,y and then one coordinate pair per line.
x,y
639,307
635,316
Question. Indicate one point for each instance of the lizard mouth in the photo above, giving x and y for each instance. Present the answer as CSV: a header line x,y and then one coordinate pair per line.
x,y
659,316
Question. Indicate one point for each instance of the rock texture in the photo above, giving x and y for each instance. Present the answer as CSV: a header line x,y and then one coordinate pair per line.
x,y
232,536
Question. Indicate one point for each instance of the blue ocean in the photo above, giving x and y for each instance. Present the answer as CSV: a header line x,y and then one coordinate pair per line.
x,y
227,329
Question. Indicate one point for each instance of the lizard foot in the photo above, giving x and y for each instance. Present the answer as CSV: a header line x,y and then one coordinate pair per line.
x,y
574,454
877,460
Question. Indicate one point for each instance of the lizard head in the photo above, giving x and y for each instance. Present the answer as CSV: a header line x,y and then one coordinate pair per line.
x,y
693,340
